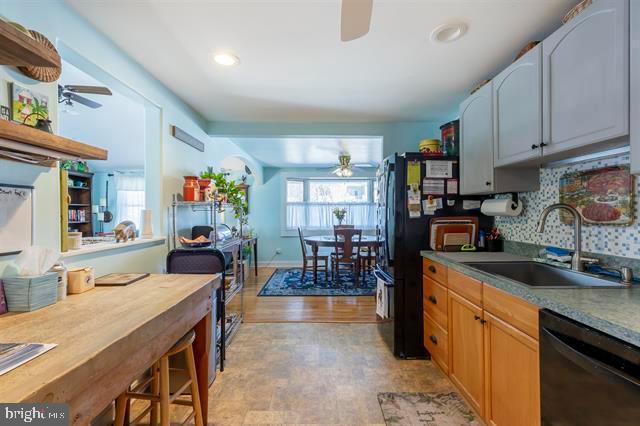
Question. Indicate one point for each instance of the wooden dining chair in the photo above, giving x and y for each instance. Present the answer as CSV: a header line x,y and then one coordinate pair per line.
x,y
367,259
344,251
308,257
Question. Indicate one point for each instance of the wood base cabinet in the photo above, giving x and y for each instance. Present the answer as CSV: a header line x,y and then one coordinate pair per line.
x,y
486,341
512,375
466,349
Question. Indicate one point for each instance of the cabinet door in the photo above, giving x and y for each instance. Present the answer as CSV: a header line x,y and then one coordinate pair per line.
x,y
476,142
466,354
512,375
586,78
517,103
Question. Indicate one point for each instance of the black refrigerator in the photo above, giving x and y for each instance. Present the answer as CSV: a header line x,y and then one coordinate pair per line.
x,y
399,263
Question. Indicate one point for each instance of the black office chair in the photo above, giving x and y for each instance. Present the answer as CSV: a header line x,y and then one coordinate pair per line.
x,y
205,231
203,261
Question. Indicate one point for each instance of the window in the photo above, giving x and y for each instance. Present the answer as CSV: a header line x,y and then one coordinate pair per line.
x,y
310,202
130,197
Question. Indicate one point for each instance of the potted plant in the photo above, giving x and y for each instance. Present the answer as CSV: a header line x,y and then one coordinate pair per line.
x,y
340,214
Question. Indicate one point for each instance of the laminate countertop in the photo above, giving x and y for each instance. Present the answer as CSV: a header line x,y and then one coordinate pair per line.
x,y
105,338
615,311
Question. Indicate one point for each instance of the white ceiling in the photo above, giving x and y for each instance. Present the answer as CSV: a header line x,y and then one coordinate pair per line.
x,y
311,152
117,126
294,68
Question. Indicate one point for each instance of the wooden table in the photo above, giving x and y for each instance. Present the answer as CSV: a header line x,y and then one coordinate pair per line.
x,y
106,337
318,241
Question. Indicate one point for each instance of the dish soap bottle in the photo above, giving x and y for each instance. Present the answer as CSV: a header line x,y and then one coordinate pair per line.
x,y
481,238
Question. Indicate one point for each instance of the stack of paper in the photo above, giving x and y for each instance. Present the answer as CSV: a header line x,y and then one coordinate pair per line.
x,y
13,355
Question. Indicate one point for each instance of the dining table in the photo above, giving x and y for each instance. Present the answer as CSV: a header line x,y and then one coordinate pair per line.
x,y
317,241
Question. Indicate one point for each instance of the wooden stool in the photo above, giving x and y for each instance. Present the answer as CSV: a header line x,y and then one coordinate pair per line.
x,y
159,382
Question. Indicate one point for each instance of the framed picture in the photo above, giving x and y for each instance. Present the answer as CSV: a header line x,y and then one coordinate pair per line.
x,y
603,196
27,106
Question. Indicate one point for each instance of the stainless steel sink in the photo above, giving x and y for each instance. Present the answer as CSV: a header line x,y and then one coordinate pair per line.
x,y
540,275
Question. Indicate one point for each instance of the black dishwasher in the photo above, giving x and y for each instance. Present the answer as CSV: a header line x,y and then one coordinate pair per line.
x,y
586,377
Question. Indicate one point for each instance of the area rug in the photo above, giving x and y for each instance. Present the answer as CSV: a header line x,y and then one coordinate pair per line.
x,y
431,409
287,282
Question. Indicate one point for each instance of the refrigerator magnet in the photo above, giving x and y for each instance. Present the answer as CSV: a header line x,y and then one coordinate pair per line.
x,y
452,186
439,169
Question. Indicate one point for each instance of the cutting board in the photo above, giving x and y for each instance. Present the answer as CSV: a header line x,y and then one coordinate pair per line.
x,y
119,279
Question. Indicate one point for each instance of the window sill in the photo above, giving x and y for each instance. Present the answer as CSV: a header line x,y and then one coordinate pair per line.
x,y
102,247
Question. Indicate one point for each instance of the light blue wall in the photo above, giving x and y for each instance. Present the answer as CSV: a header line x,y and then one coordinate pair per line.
x,y
168,159
266,199
398,136
266,213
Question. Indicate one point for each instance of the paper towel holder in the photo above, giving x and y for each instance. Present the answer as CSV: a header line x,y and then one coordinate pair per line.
x,y
514,200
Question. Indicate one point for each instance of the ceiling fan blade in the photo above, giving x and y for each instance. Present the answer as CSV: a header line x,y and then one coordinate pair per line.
x,y
355,19
82,100
94,90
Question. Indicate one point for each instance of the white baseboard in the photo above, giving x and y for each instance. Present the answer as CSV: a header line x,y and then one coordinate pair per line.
x,y
280,264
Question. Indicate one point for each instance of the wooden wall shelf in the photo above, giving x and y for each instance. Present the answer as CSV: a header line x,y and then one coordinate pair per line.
x,y
29,138
17,49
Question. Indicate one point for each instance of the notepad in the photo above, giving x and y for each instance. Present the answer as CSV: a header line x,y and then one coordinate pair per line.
x,y
13,355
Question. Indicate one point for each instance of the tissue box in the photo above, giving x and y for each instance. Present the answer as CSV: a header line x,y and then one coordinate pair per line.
x,y
80,280
25,294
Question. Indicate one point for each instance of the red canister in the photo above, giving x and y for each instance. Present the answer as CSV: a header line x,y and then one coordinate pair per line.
x,y
190,189
450,136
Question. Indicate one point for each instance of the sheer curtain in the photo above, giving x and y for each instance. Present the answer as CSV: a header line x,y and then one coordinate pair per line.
x,y
320,215
129,196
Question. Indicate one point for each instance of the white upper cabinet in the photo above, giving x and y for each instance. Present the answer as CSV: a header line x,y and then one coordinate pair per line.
x,y
635,87
476,142
586,79
517,103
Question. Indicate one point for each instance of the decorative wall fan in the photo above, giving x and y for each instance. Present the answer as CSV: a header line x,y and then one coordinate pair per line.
x,y
69,94
355,19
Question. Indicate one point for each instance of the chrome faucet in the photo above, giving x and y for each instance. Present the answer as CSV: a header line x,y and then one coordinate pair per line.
x,y
576,259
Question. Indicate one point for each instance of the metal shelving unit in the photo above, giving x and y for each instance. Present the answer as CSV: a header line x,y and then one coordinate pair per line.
x,y
235,245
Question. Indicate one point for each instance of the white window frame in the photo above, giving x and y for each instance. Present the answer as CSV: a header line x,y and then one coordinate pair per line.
x,y
306,178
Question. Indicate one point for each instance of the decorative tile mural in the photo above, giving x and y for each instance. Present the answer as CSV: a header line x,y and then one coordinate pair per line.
x,y
611,240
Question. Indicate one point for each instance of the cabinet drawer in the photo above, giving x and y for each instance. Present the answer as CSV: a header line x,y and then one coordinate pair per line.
x,y
513,310
465,286
434,270
434,301
436,341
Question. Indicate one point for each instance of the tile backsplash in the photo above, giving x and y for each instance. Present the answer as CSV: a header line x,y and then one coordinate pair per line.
x,y
610,240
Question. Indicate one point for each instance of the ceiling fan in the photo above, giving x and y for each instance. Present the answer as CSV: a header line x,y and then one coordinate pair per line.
x,y
68,94
355,19
345,168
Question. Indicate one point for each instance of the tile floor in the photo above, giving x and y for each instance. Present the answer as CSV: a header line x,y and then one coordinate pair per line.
x,y
297,373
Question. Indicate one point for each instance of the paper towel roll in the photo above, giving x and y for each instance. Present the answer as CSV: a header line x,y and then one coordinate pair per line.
x,y
501,207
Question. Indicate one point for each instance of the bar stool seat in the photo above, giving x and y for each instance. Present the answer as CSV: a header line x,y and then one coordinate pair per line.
x,y
159,392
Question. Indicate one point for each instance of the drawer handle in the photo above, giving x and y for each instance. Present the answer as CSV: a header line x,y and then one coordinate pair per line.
x,y
434,339
476,317
534,146
433,299
432,269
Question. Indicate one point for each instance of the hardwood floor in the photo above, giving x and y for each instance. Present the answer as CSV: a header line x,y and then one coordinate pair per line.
x,y
360,309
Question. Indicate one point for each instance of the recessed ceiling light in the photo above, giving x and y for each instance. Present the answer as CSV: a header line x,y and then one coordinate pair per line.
x,y
448,32
226,59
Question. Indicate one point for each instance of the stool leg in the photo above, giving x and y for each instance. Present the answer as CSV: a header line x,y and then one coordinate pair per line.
x,y
195,395
155,391
164,391
121,407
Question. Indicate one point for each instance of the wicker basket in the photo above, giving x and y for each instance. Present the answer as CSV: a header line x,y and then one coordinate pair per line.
x,y
45,74
576,10
25,294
